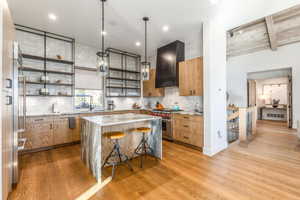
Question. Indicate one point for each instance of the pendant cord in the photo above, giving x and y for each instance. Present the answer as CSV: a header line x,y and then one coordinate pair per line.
x,y
146,41
102,32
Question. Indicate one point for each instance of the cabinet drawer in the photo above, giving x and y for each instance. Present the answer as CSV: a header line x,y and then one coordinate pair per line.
x,y
185,125
188,131
188,117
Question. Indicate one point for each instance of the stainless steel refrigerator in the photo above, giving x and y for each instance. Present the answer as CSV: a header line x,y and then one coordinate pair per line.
x,y
19,110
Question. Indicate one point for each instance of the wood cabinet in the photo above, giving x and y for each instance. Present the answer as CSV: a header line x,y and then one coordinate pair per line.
x,y
191,77
149,89
76,132
49,131
38,133
61,132
188,129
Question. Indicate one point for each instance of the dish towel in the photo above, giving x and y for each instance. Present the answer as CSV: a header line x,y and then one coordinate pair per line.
x,y
72,122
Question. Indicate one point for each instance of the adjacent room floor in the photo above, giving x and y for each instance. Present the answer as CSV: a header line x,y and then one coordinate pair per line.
x,y
269,168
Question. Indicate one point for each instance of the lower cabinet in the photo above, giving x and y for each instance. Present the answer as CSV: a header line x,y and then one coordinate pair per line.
x,y
49,131
61,132
188,129
54,130
38,133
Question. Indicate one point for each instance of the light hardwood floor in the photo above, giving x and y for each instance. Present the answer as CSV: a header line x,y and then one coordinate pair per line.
x,y
269,168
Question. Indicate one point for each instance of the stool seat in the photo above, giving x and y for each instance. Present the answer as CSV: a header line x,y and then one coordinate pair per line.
x,y
143,130
114,135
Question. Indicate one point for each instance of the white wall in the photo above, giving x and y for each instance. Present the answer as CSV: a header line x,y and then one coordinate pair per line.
x,y
215,115
284,57
281,93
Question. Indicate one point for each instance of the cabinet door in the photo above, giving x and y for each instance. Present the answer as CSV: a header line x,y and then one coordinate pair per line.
x,y
191,77
62,133
197,137
188,131
197,74
76,131
39,133
149,89
184,79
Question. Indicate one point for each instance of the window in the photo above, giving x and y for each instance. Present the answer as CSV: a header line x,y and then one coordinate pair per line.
x,y
88,99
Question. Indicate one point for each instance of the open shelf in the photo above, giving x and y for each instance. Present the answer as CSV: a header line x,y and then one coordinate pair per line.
x,y
123,70
38,95
47,59
31,69
134,88
122,79
124,74
43,83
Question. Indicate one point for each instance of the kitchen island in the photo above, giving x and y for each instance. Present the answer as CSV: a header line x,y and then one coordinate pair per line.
x,y
94,147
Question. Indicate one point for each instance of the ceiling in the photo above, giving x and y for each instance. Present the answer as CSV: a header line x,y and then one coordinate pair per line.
x,y
81,18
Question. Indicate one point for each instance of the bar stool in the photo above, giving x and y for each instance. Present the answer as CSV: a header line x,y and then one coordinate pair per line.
x,y
116,152
143,148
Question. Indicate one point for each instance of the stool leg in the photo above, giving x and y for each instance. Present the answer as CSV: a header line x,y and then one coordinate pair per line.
x,y
118,151
113,171
127,162
109,156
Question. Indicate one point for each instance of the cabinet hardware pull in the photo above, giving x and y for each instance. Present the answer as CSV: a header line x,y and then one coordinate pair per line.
x,y
186,117
185,137
51,126
8,100
186,126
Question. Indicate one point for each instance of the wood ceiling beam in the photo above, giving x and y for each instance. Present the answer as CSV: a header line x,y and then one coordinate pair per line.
x,y
271,32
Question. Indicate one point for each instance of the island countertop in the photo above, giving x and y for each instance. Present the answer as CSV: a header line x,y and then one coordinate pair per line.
x,y
111,120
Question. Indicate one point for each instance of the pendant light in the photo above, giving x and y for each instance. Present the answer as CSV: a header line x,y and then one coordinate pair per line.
x,y
102,56
146,64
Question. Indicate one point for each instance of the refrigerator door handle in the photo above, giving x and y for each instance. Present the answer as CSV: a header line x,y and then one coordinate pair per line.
x,y
24,102
9,100
8,83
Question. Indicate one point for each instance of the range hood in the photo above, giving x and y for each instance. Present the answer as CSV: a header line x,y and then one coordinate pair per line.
x,y
168,57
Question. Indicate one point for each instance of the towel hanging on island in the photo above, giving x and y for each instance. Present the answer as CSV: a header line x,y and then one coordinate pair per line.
x,y
72,122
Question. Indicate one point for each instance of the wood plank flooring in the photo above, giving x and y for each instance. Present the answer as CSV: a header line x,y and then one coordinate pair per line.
x,y
269,168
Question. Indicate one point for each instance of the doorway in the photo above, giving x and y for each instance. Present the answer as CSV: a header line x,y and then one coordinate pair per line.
x,y
271,92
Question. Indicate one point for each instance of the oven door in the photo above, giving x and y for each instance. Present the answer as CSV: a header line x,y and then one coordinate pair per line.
x,y
167,129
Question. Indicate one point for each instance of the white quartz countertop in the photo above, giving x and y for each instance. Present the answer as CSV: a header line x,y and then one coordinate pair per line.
x,y
111,120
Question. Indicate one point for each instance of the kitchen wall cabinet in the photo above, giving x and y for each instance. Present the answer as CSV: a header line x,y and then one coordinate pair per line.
x,y
188,129
191,77
149,89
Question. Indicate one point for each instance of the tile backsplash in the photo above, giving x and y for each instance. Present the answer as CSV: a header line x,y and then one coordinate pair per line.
x,y
172,96
43,105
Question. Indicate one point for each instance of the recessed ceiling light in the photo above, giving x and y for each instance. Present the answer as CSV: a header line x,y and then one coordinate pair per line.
x,y
165,28
52,16
137,44
104,33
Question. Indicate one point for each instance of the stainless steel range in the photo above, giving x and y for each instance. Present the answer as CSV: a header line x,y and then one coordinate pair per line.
x,y
166,116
